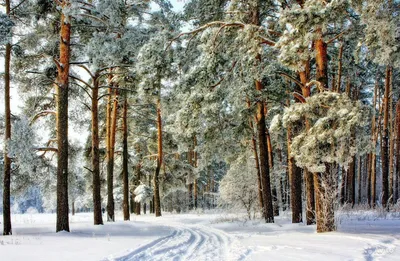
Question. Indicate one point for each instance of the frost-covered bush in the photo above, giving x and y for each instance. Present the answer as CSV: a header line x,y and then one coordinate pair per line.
x,y
143,193
21,146
238,188
334,119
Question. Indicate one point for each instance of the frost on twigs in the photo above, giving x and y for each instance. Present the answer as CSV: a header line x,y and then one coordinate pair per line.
x,y
6,26
21,146
333,118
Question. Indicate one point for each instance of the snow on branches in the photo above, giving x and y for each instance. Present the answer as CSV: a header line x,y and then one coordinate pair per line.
x,y
333,118
143,193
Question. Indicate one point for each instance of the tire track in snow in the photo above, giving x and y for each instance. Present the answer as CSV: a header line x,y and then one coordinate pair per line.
x,y
186,243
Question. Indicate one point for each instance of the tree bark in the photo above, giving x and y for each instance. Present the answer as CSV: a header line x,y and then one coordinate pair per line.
x,y
396,189
195,185
359,176
295,184
391,142
385,140
350,199
110,160
324,211
372,157
62,122
308,176
7,230
275,204
125,158
339,81
97,214
264,163
322,62
256,160
157,203
138,176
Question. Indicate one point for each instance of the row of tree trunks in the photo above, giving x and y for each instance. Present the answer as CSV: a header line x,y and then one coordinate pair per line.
x,y
97,214
62,121
7,161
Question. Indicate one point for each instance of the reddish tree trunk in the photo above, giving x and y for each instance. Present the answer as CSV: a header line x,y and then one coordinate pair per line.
x,y
62,122
157,203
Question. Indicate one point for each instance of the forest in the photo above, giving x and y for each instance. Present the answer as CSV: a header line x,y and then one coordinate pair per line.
x,y
261,107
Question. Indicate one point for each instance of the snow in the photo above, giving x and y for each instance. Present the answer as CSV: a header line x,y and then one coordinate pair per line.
x,y
211,236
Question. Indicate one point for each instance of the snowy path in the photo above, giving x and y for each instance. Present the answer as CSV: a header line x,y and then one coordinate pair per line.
x,y
187,242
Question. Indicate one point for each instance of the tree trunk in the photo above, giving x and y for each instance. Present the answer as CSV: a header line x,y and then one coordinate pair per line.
x,y
369,178
339,81
257,163
350,199
7,161
324,212
322,62
195,185
391,141
190,196
396,190
385,141
125,158
264,163
62,122
110,160
359,176
295,184
133,204
157,203
343,190
275,204
308,176
97,214
138,176
372,161
262,139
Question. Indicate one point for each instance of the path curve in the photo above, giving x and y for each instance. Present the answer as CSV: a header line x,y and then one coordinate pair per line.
x,y
187,242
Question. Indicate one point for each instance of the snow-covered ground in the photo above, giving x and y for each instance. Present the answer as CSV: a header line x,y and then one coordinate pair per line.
x,y
200,237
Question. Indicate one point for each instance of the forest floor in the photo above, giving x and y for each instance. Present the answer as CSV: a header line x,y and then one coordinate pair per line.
x,y
199,236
